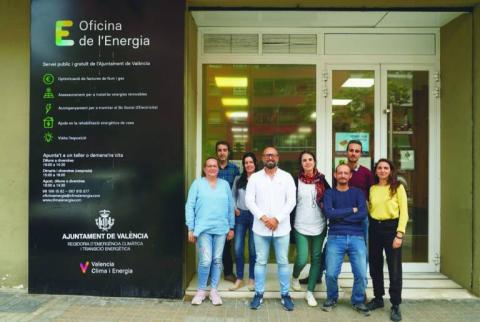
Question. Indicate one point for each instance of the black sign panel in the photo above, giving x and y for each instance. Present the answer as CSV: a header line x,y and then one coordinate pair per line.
x,y
106,147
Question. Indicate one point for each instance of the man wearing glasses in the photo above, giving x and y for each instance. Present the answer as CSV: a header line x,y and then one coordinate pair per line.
x,y
270,197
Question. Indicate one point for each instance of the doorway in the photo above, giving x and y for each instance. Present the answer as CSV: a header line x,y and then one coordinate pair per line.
x,y
391,109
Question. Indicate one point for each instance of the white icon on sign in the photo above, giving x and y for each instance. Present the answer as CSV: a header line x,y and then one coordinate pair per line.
x,y
104,222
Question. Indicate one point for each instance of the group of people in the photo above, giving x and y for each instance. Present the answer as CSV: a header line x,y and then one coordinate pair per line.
x,y
363,211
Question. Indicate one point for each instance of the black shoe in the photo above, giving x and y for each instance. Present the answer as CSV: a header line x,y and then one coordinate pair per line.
x,y
375,303
329,304
305,280
395,314
362,308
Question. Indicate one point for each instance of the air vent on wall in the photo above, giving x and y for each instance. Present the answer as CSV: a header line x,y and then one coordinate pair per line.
x,y
289,44
230,43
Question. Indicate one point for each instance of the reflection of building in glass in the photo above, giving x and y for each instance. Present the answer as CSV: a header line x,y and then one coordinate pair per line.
x,y
254,106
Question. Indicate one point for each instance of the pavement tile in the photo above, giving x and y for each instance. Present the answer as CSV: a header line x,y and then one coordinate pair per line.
x,y
15,306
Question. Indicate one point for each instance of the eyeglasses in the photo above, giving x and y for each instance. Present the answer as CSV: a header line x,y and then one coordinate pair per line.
x,y
270,155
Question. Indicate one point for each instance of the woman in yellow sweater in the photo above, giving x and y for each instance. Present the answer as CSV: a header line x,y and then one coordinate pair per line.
x,y
388,210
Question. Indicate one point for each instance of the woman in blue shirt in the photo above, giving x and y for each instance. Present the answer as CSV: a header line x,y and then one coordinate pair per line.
x,y
209,218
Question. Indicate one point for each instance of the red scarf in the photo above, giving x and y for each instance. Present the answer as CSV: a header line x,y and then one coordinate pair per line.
x,y
318,179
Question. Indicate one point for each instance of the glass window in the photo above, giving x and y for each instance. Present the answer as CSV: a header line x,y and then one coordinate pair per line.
x,y
254,106
408,148
353,101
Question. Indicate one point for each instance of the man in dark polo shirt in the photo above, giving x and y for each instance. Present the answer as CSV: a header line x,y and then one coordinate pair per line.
x,y
227,171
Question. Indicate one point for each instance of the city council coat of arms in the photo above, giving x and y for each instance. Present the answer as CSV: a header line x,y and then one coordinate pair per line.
x,y
104,222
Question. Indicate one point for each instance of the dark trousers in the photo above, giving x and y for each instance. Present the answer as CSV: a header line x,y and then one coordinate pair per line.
x,y
227,259
380,237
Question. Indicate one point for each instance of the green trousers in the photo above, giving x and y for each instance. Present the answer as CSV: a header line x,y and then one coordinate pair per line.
x,y
316,244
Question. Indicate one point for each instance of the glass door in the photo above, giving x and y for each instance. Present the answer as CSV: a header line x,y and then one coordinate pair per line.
x,y
387,108
406,104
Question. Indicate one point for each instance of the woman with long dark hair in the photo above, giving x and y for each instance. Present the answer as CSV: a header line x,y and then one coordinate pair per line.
x,y
309,223
209,218
244,223
388,220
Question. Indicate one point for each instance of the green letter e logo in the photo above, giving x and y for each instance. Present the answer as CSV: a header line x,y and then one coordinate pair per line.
x,y
60,33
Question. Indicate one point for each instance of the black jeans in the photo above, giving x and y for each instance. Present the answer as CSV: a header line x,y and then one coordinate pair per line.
x,y
380,237
227,258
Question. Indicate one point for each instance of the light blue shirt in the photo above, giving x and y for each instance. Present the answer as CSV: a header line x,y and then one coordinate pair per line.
x,y
209,209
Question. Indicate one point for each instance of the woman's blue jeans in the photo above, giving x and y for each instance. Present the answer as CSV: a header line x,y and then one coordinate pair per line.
x,y
209,249
243,224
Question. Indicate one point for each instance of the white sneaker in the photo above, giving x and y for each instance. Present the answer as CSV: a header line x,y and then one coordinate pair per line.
x,y
199,297
215,297
310,299
296,284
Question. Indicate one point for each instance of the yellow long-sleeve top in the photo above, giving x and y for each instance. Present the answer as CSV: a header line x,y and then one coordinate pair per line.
x,y
384,207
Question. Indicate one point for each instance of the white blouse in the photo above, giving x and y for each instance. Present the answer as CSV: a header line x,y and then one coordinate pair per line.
x,y
309,219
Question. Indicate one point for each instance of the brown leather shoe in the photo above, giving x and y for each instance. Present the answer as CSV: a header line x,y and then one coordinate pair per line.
x,y
251,285
238,284
231,278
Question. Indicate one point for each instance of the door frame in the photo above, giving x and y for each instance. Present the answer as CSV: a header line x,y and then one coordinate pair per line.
x,y
324,120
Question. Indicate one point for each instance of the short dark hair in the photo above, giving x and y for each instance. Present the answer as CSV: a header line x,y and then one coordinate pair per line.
x,y
224,143
355,142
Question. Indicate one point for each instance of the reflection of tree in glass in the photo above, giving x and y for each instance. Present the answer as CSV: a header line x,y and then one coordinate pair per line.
x,y
399,90
355,116
305,109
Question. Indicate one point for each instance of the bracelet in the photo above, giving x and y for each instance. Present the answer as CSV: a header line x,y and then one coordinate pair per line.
x,y
396,236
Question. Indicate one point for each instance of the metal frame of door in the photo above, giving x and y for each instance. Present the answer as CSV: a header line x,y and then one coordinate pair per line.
x,y
324,120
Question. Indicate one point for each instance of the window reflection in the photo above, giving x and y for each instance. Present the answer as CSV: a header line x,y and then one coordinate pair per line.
x,y
408,148
254,106
353,99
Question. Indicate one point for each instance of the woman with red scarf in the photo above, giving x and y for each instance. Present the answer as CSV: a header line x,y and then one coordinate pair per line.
x,y
310,226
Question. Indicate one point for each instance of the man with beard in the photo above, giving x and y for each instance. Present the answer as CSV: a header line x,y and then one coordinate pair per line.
x,y
270,197
226,171
362,178
345,208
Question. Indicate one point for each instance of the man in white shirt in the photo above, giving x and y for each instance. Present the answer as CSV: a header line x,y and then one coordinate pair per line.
x,y
270,197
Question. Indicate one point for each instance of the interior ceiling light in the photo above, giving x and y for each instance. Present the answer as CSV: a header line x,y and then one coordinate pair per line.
x,y
233,101
237,115
239,129
359,82
305,129
231,81
240,136
340,101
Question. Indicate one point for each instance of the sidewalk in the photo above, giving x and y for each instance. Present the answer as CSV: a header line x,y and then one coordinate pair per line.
x,y
19,306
